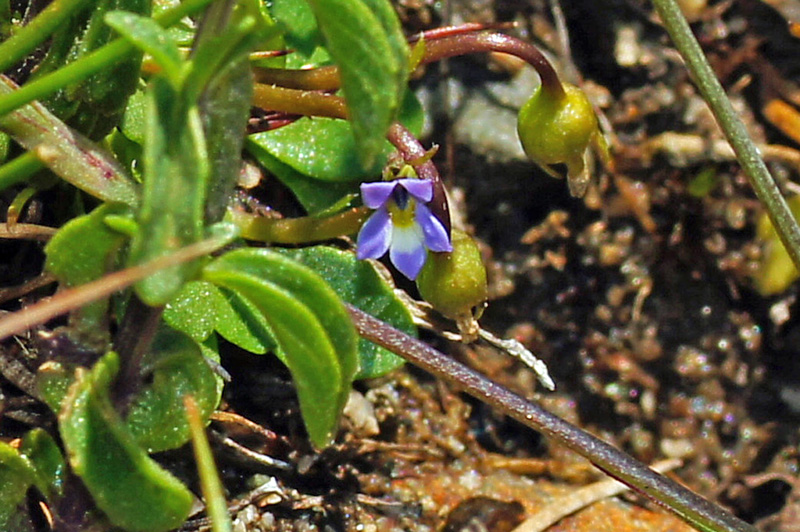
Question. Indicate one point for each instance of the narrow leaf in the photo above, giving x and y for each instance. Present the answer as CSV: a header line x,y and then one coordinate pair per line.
x,y
147,35
175,179
66,152
213,491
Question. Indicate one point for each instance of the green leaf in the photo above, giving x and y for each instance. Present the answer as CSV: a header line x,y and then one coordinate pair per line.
x,y
93,105
302,33
243,325
313,194
314,333
132,489
16,475
53,381
147,35
366,42
156,417
81,251
335,157
225,109
357,282
321,181
210,483
49,467
175,179
200,308
194,310
133,124
67,153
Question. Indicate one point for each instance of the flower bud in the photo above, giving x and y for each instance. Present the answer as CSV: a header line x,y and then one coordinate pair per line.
x,y
558,128
453,283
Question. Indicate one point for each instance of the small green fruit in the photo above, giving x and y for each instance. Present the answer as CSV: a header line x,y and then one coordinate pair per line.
x,y
454,282
557,128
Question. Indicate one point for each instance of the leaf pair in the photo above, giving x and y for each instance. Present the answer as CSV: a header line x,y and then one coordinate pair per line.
x,y
311,327
290,302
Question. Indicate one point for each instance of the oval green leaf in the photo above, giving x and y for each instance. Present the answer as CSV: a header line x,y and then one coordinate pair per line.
x,y
50,469
16,475
315,336
81,251
133,490
156,417
335,156
200,308
357,282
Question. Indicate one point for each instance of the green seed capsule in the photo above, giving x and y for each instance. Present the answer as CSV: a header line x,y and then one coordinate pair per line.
x,y
454,282
558,128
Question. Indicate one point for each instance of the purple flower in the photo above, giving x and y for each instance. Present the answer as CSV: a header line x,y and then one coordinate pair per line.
x,y
402,224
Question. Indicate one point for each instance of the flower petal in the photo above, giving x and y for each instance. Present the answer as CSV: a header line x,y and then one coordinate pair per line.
x,y
376,194
436,237
421,189
375,236
408,251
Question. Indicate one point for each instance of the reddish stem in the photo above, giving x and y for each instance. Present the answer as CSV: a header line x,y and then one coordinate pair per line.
x,y
411,150
449,31
468,43
440,43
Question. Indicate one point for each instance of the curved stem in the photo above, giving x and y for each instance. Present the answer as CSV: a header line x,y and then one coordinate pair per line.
x,y
447,43
747,153
470,43
321,104
691,507
411,150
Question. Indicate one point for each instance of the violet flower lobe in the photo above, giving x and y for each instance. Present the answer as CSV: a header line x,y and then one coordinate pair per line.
x,y
401,224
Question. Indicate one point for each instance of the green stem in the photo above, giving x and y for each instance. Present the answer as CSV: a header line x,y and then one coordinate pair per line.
x,y
298,230
694,509
30,36
746,151
96,61
210,483
301,102
18,170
